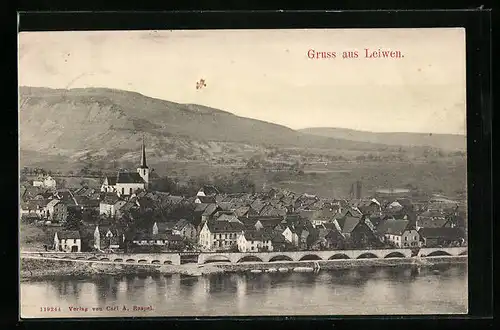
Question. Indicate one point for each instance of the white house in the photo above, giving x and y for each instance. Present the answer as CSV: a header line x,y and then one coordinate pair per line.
x,y
399,233
67,241
220,235
46,182
110,205
254,241
291,236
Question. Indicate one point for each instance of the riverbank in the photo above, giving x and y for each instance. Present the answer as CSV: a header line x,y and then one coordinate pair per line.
x,y
37,269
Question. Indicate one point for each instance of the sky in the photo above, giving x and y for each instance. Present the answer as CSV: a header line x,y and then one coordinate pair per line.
x,y
267,74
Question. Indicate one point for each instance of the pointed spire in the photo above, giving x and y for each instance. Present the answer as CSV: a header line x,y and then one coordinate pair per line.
x,y
143,158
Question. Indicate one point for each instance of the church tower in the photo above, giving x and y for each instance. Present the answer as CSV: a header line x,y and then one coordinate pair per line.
x,y
143,170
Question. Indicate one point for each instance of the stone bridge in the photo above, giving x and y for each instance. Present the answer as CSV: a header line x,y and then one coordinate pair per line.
x,y
132,258
174,258
328,255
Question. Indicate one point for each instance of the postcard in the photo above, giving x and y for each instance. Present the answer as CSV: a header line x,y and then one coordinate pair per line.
x,y
286,172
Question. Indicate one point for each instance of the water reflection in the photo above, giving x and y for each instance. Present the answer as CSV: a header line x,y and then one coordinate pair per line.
x,y
393,290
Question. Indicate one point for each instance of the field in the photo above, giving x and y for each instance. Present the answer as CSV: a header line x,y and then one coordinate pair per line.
x,y
32,237
446,176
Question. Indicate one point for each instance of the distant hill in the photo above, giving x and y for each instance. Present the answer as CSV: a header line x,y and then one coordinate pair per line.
x,y
441,141
109,124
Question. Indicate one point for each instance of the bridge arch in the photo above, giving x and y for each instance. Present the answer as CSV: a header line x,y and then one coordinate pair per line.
x,y
249,259
463,253
155,261
92,258
167,262
339,256
118,260
104,259
367,255
142,261
80,258
130,260
438,253
280,258
217,258
395,255
310,257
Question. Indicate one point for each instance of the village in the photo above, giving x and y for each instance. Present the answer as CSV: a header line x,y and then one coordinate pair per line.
x,y
125,215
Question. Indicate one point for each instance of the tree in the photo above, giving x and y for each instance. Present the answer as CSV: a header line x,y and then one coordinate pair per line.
x,y
74,219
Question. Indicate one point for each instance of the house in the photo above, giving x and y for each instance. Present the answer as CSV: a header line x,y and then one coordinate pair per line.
x,y
45,182
432,219
334,239
220,235
204,199
245,211
359,232
207,190
67,241
442,237
399,233
108,237
369,207
209,212
279,242
146,242
291,235
185,229
34,207
255,241
110,205
163,227
325,215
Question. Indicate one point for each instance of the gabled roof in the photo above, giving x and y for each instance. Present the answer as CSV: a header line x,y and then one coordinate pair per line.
x,y
209,190
210,209
225,226
348,223
206,199
110,199
445,233
69,234
129,177
432,223
393,227
181,224
257,235
228,217
111,180
200,207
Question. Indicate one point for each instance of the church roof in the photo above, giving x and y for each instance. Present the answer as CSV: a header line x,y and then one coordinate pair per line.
x,y
111,180
129,177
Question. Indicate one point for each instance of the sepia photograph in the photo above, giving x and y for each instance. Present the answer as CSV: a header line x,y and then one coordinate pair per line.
x,y
280,172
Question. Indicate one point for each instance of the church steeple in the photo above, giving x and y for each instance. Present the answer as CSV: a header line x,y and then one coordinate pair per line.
x,y
143,157
143,169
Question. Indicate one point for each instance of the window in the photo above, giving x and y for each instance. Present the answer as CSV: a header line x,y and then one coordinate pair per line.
x,y
415,238
406,238
130,191
123,191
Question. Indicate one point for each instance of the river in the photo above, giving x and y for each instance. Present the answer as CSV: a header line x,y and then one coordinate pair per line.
x,y
374,291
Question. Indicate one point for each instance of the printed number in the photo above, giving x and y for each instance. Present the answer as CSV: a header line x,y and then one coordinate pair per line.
x,y
50,309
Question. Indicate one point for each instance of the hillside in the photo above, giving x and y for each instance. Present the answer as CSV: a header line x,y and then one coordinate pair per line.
x,y
442,141
110,124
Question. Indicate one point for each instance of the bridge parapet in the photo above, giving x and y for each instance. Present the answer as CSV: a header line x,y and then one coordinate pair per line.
x,y
235,257
150,258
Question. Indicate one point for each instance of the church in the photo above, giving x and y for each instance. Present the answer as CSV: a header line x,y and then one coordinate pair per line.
x,y
128,183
